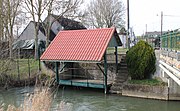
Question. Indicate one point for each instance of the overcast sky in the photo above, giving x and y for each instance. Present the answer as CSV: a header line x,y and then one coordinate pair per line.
x,y
148,12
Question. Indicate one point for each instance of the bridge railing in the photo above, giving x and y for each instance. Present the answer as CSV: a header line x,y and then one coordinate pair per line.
x,y
171,40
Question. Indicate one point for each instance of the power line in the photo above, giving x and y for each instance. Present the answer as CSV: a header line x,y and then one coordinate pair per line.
x,y
172,15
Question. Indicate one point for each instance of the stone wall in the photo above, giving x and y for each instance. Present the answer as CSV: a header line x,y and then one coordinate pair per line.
x,y
170,57
174,90
91,71
112,58
143,91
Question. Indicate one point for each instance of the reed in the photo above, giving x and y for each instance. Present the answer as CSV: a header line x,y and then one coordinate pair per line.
x,y
39,101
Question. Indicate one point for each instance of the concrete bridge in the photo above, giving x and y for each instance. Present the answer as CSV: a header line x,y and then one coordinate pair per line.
x,y
169,71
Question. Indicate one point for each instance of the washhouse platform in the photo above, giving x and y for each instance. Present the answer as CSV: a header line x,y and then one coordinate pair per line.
x,y
83,46
85,83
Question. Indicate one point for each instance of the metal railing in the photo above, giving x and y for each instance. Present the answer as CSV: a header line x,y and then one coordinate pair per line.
x,y
170,71
171,40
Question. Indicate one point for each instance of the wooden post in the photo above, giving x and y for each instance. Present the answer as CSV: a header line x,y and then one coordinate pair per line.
x,y
105,72
29,71
116,53
39,61
57,72
18,69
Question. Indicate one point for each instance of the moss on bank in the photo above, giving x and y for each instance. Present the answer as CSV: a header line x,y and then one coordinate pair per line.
x,y
150,82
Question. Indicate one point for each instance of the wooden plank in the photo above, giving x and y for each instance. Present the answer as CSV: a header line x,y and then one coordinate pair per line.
x,y
65,82
85,83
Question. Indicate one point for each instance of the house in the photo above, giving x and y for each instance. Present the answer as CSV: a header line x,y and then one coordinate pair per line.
x,y
26,40
62,23
123,37
85,47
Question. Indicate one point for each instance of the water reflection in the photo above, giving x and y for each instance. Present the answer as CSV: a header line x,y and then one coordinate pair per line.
x,y
93,100
90,100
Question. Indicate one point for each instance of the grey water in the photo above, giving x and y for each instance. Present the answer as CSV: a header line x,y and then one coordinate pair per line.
x,y
90,100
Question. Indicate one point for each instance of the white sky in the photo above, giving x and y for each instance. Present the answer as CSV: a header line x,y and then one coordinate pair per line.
x,y
148,12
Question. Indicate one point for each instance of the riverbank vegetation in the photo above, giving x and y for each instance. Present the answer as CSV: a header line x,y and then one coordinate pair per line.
x,y
17,69
39,101
141,61
150,82
20,72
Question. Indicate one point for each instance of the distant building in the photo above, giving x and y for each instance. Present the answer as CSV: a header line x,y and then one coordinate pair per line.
x,y
153,38
123,37
152,34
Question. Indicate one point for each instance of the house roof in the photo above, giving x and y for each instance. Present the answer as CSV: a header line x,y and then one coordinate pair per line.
x,y
29,35
69,24
79,45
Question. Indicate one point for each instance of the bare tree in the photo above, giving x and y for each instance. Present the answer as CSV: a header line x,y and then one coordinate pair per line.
x,y
105,13
37,8
68,8
1,20
9,13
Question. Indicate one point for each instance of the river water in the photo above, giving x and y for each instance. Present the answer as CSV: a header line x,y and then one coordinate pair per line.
x,y
91,100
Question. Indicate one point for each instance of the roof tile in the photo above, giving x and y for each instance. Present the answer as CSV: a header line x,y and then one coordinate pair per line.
x,y
79,45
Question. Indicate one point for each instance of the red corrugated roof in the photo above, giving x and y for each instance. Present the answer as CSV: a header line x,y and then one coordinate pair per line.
x,y
79,45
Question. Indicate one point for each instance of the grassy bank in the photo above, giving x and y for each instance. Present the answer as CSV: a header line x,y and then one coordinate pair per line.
x,y
26,68
151,82
17,69
22,67
120,50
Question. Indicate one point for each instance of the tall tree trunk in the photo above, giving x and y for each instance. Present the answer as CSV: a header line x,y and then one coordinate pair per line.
x,y
36,54
49,24
10,47
47,30
1,23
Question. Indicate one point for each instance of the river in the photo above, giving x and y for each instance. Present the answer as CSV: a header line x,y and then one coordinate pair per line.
x,y
91,100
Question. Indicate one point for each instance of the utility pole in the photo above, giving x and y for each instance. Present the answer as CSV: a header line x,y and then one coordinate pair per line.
x,y
128,24
161,29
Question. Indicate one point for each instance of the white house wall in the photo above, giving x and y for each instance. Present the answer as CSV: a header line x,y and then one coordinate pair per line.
x,y
123,40
56,26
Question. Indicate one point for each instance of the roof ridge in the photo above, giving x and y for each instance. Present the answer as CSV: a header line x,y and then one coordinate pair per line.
x,y
88,29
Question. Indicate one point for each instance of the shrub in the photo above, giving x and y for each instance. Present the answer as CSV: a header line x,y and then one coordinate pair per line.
x,y
141,61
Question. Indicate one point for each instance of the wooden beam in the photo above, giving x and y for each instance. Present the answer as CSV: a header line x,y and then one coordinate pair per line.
x,y
116,53
100,69
63,67
57,71
105,73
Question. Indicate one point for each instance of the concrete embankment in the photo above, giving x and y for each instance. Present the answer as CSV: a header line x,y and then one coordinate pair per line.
x,y
145,91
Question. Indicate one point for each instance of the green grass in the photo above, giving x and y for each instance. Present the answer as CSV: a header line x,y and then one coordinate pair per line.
x,y
151,82
24,68
120,50
12,68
